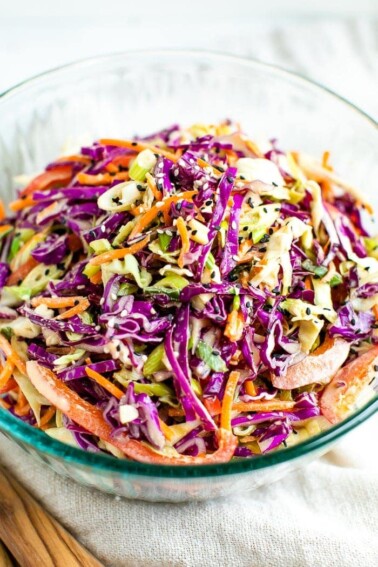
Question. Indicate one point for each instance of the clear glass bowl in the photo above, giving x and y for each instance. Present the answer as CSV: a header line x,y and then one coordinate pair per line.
x,y
137,93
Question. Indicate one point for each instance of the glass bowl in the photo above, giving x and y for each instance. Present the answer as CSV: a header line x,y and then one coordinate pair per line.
x,y
138,93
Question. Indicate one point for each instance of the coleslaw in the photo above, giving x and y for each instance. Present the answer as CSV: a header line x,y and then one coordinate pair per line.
x,y
187,298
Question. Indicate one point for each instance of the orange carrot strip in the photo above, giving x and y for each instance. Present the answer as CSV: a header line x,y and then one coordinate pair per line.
x,y
253,148
166,430
2,210
202,163
98,179
228,398
152,185
5,227
22,271
57,302
97,278
213,406
176,412
250,388
10,385
183,232
273,405
82,306
325,161
138,147
375,311
75,157
5,374
104,382
122,175
11,354
118,253
47,416
152,213
235,325
53,178
22,204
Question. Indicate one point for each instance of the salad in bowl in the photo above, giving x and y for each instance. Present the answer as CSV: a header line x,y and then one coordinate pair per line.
x,y
191,297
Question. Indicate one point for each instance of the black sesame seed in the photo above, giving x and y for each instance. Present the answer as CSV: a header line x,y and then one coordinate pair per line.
x,y
47,272
76,302
250,202
274,184
194,232
308,311
118,348
134,143
353,321
263,249
245,227
212,275
208,202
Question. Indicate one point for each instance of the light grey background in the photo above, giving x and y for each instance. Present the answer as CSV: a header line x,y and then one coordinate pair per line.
x,y
333,42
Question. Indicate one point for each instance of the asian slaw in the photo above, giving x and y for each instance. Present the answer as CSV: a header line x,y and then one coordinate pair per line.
x,y
187,298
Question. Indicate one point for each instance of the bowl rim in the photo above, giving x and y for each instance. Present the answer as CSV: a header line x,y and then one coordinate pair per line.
x,y
38,440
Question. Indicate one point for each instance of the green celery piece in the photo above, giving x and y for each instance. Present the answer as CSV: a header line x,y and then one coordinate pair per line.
x,y
210,261
90,270
127,289
213,359
171,293
173,281
164,240
158,390
154,362
336,280
23,236
319,271
196,387
371,244
258,234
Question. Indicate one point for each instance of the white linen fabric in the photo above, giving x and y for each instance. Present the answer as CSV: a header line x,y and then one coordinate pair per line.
x,y
323,515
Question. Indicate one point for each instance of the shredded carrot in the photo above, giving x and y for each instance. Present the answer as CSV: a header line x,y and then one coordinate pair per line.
x,y
122,161
11,354
6,374
138,147
57,302
96,278
176,412
253,148
80,308
98,179
250,388
228,398
166,430
152,186
2,210
22,406
325,161
11,385
308,283
183,232
5,227
202,163
122,176
21,273
53,178
235,325
104,382
152,213
26,248
22,204
4,404
47,416
76,157
271,405
213,406
119,253
375,311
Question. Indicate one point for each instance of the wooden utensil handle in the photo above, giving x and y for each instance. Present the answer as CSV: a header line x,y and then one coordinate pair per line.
x,y
5,560
32,535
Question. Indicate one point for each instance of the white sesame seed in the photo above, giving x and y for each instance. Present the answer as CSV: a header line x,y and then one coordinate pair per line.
x,y
159,204
233,225
114,296
102,300
235,257
111,323
97,328
176,172
206,185
103,229
169,232
161,165
153,311
124,313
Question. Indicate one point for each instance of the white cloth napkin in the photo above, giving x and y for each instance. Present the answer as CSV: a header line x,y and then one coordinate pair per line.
x,y
323,515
